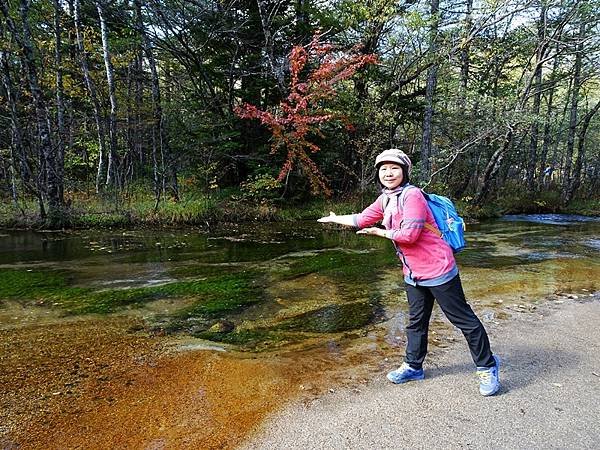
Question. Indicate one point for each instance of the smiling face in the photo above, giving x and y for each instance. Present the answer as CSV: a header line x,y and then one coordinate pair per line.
x,y
391,175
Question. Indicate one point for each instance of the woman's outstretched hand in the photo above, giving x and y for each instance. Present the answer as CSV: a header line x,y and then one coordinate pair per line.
x,y
374,231
328,219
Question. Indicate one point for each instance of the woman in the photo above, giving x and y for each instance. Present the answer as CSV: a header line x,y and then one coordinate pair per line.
x,y
429,267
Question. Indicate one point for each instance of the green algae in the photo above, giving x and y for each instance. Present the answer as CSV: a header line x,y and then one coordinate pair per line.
x,y
215,295
29,284
254,339
334,318
77,301
218,297
330,319
343,266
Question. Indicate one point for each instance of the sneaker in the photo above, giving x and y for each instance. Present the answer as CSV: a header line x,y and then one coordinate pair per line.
x,y
489,381
405,373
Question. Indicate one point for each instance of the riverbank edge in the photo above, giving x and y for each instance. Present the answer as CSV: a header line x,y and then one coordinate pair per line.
x,y
187,214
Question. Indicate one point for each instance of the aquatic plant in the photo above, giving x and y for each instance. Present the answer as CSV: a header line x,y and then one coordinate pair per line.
x,y
333,318
341,265
215,295
30,284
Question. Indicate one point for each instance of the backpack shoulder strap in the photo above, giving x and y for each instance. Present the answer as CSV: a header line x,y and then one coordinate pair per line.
x,y
403,194
434,229
385,200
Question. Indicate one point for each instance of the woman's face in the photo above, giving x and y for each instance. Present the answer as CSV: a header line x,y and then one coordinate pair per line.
x,y
390,175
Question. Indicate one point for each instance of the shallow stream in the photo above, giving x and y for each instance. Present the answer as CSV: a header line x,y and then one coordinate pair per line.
x,y
270,286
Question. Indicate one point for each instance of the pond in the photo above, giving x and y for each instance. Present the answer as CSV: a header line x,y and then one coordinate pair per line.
x,y
260,287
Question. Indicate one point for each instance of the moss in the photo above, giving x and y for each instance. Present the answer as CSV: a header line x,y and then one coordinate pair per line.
x,y
215,296
256,339
218,297
334,318
31,284
342,266
87,301
329,319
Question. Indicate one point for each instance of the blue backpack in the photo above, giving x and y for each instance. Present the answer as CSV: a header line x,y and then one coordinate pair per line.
x,y
450,226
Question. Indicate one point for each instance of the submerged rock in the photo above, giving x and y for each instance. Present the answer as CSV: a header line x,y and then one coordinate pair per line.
x,y
222,326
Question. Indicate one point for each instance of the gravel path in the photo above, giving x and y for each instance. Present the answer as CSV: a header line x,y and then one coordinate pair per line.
x,y
550,396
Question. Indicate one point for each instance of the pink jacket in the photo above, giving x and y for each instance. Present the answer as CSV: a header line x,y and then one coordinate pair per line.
x,y
426,258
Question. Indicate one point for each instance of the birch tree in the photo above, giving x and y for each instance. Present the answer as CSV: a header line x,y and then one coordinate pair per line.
x,y
92,91
112,172
426,145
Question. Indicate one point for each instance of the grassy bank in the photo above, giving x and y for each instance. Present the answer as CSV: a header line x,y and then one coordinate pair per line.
x,y
85,211
199,209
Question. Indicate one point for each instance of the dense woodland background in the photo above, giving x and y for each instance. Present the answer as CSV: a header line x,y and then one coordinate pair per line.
x,y
279,101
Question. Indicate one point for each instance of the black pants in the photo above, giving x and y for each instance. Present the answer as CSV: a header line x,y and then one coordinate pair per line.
x,y
451,298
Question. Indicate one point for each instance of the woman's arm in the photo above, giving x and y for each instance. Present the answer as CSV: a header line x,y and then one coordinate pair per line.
x,y
347,219
371,215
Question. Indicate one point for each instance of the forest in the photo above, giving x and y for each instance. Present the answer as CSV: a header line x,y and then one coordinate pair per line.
x,y
178,110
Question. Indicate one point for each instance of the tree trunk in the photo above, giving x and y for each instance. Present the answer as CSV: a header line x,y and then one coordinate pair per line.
x,y
91,87
112,172
492,168
159,134
139,120
46,151
465,60
547,139
17,154
133,73
537,97
573,114
60,106
575,179
17,137
276,70
595,180
426,145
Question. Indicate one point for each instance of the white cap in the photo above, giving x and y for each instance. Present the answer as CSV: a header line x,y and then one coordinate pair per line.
x,y
394,155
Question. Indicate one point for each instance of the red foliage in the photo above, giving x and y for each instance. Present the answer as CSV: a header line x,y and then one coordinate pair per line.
x,y
300,114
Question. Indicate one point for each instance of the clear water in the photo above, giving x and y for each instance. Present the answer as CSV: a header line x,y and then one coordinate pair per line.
x,y
262,286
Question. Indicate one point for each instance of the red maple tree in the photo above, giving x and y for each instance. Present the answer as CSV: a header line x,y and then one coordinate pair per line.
x,y
300,114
